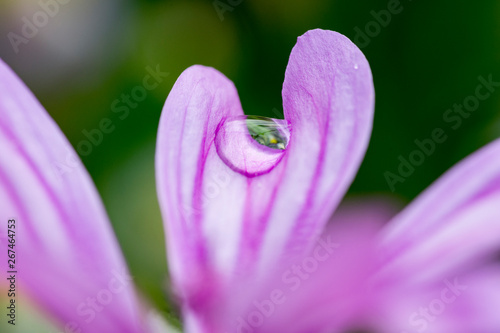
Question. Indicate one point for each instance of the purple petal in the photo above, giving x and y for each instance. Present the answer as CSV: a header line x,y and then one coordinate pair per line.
x,y
66,254
482,299
326,290
452,225
222,219
465,303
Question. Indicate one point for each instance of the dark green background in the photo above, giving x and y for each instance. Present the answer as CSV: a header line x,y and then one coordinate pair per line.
x,y
427,58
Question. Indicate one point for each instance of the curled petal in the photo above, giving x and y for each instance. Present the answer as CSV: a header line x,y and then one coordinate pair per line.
x,y
67,258
452,225
231,212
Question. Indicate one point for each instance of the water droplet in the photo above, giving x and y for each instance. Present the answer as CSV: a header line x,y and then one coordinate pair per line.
x,y
356,66
252,145
268,132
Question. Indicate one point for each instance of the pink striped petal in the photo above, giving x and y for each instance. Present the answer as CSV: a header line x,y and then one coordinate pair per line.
x,y
224,220
451,226
67,258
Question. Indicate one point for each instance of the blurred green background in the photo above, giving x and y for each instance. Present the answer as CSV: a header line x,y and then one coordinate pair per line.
x,y
426,59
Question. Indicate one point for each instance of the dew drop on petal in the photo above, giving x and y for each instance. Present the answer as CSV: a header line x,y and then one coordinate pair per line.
x,y
252,145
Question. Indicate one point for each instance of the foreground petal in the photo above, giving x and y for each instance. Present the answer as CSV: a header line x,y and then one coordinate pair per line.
x,y
463,304
326,290
67,257
451,226
334,292
222,220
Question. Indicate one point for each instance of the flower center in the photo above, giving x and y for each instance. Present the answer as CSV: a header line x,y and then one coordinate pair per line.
x,y
252,145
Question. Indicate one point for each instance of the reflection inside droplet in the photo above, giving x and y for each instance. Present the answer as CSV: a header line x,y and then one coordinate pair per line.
x,y
268,132
252,145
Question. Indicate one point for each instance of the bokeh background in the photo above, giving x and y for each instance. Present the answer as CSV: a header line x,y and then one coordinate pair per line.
x,y
426,59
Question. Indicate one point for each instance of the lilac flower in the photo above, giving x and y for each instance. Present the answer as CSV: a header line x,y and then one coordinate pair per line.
x,y
252,212
246,201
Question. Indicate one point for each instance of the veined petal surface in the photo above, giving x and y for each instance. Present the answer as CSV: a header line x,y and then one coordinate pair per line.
x,y
67,258
222,223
